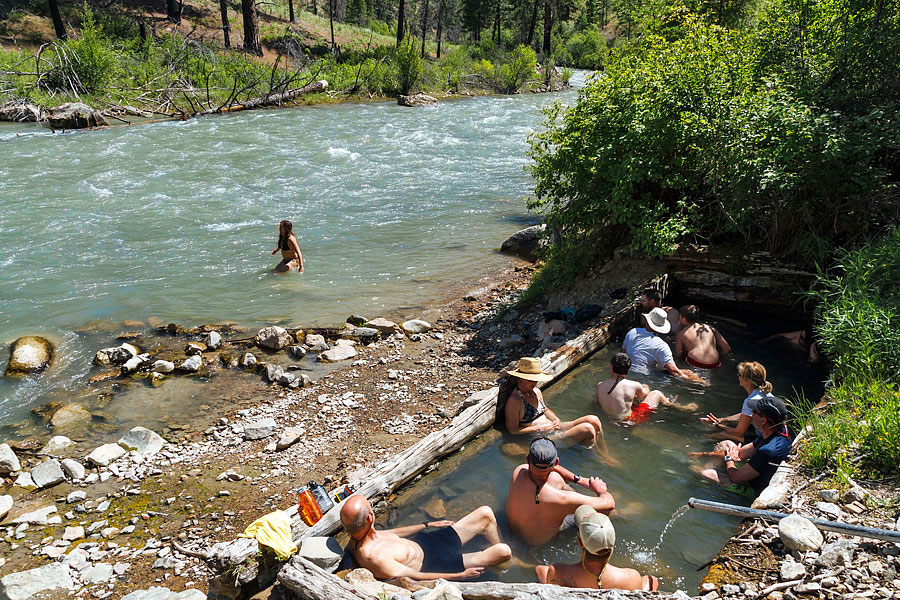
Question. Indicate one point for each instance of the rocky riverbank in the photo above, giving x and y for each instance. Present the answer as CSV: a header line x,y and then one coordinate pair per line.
x,y
778,561
136,516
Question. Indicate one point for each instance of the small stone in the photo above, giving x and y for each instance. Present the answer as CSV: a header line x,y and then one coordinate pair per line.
x,y
791,570
163,366
127,530
260,429
194,348
213,340
511,341
435,508
811,587
73,533
48,474
120,568
274,338
98,573
730,590
289,437
836,553
142,440
298,351
24,481
40,516
6,503
708,587
106,454
416,326
829,495
855,494
192,364
248,359
76,496
9,462
109,532
876,568
856,508
830,509
224,493
314,339
338,353
798,533
72,468
710,596
57,445
97,525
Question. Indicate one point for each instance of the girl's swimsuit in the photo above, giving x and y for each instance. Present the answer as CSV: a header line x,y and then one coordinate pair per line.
x,y
529,412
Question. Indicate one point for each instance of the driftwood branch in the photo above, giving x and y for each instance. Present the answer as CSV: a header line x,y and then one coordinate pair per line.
x,y
271,99
309,582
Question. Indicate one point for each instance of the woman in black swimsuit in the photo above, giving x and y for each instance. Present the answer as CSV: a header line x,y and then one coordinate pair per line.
x,y
290,249
525,411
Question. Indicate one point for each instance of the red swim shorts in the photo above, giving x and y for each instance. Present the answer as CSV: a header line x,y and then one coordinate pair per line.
x,y
701,365
641,414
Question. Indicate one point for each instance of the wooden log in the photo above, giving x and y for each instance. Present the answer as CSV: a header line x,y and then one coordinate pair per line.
x,y
309,582
271,99
496,590
477,413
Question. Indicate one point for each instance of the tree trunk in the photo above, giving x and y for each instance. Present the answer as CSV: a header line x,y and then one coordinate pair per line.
x,y
401,10
291,11
533,25
226,26
57,20
315,8
440,19
331,22
142,30
251,27
548,26
173,11
424,25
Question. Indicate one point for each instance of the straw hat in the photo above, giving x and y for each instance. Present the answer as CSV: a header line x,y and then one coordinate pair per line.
x,y
658,321
530,369
595,530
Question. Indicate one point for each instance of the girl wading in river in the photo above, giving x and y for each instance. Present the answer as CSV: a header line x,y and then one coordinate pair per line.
x,y
526,413
291,259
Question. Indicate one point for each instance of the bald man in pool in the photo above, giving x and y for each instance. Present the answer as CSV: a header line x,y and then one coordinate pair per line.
x,y
540,499
427,551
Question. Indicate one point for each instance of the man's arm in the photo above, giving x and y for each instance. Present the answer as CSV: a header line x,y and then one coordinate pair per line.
x,y
721,344
685,374
742,474
679,343
602,502
408,530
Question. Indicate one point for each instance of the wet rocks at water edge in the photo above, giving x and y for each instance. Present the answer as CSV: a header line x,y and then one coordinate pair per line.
x,y
9,462
70,414
525,243
338,353
416,326
106,454
57,446
47,474
191,364
75,115
414,100
21,111
29,354
142,440
116,355
162,366
274,338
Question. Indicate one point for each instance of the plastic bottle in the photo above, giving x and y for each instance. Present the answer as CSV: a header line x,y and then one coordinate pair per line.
x,y
308,507
342,494
325,503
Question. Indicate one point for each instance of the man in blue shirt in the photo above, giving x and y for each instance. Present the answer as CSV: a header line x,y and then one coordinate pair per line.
x,y
647,349
762,455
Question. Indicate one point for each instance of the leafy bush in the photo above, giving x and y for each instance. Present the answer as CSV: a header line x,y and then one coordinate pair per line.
x,y
409,64
519,70
85,64
566,75
586,49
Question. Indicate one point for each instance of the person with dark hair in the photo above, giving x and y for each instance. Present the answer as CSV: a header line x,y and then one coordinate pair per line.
x,y
540,499
426,551
596,538
627,401
761,457
650,299
291,258
699,344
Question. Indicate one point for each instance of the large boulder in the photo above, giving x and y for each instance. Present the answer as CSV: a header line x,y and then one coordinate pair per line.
x,y
324,552
47,474
366,335
29,354
75,115
413,100
274,338
20,111
36,582
70,414
143,440
9,462
525,243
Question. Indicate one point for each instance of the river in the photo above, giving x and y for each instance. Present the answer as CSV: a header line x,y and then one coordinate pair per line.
x,y
175,221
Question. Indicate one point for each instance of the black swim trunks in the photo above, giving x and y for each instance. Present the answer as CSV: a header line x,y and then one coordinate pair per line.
x,y
442,548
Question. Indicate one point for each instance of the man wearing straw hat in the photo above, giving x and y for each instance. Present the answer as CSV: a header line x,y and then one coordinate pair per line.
x,y
597,537
540,498
647,349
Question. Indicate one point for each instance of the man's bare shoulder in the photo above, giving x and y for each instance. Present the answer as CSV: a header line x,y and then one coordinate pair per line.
x,y
563,574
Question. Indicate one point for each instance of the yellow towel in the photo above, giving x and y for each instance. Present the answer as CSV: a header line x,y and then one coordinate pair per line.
x,y
274,531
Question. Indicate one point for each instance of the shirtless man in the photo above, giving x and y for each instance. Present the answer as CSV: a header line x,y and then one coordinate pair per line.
x,y
540,499
628,401
597,538
427,555
699,344
651,299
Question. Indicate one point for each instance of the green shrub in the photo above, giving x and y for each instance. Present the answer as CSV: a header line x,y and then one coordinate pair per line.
x,y
586,49
566,75
85,64
410,65
519,70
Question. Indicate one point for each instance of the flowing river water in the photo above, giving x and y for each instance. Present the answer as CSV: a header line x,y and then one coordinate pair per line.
x,y
176,220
